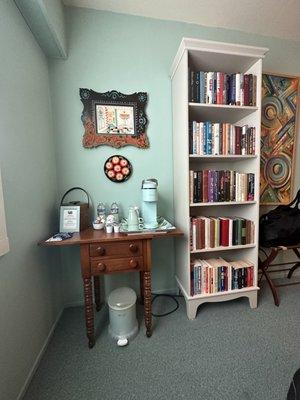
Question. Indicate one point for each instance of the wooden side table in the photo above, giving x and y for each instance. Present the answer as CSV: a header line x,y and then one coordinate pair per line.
x,y
264,265
102,253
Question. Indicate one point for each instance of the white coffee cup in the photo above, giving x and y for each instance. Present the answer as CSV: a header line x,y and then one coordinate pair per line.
x,y
109,228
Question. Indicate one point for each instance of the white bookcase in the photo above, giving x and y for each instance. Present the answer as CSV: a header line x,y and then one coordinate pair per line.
x,y
229,58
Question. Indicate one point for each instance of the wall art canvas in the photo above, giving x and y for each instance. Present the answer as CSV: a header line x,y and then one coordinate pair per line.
x,y
278,138
114,119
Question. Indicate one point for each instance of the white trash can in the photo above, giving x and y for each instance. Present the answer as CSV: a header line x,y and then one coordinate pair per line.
x,y
123,324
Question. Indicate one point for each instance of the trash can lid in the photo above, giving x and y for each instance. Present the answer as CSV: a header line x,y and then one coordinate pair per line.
x,y
121,298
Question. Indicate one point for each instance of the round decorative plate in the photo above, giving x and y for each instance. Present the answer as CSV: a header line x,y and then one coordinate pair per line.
x,y
117,168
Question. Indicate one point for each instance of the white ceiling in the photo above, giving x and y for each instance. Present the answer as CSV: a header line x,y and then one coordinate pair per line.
x,y
278,18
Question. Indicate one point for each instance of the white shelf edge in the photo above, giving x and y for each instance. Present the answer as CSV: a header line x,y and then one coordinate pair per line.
x,y
234,292
222,203
223,106
221,248
223,156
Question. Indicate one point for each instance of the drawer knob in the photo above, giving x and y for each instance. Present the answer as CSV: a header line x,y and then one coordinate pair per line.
x,y
133,248
101,266
133,263
101,250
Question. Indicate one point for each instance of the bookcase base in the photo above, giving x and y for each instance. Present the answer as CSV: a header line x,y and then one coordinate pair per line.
x,y
193,302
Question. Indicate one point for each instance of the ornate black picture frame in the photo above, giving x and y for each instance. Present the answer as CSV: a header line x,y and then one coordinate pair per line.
x,y
114,119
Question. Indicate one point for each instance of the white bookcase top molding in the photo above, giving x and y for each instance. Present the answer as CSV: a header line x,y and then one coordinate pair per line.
x,y
243,54
4,244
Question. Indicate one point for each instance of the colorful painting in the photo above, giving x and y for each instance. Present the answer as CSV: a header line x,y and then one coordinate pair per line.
x,y
114,119
278,138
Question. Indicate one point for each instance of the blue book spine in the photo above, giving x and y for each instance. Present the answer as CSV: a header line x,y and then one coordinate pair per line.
x,y
199,279
205,138
209,138
222,279
202,87
194,137
215,88
198,87
210,185
232,89
195,279
231,95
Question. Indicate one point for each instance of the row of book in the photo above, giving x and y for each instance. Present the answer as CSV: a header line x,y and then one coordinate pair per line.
x,y
221,138
219,186
211,232
217,275
220,88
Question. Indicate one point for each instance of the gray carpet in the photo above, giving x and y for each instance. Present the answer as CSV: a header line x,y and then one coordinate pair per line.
x,y
229,352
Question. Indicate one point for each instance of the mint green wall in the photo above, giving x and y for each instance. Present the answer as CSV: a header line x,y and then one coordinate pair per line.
x,y
113,51
30,276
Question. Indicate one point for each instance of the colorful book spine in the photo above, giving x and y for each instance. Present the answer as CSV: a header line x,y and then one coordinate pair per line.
x,y
218,275
218,88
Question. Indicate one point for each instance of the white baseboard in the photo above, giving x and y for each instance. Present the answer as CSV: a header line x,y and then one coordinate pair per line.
x,y
38,358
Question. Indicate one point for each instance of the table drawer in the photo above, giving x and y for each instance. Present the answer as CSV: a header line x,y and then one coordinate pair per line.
x,y
117,249
115,265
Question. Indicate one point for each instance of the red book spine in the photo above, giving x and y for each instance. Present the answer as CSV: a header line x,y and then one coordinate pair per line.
x,y
202,234
251,276
198,233
224,229
238,134
226,278
205,186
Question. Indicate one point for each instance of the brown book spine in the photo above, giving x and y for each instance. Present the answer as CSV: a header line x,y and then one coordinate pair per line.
x,y
202,233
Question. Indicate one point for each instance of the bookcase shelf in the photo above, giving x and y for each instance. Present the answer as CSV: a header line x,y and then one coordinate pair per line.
x,y
223,248
223,203
207,56
221,112
225,157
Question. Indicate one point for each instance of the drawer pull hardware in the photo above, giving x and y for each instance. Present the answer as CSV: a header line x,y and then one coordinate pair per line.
x,y
133,263
101,250
101,266
133,248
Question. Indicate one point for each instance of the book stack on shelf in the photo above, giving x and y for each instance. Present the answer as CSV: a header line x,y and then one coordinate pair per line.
x,y
207,138
216,145
216,275
214,232
220,186
220,88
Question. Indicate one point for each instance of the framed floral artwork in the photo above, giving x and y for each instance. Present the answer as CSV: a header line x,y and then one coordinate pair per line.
x,y
114,119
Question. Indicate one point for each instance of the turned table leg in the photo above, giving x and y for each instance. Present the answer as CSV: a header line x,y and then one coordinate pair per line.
x,y
89,312
142,287
147,302
97,292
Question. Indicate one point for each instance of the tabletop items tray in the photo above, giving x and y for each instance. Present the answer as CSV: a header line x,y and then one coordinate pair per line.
x,y
163,225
